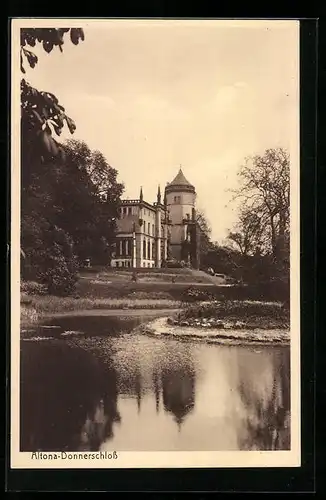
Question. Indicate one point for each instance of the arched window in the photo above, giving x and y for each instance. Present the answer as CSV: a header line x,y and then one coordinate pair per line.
x,y
148,250
144,249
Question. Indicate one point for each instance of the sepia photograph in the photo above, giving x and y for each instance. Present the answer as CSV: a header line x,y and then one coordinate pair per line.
x,y
155,281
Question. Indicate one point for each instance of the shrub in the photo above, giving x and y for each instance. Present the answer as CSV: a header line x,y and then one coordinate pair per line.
x,y
194,294
58,264
32,288
60,275
236,309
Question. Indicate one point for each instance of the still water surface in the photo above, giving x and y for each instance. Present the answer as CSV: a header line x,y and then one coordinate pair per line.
x,y
93,384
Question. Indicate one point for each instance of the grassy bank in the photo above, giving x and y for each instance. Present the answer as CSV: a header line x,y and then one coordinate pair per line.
x,y
34,308
237,314
228,304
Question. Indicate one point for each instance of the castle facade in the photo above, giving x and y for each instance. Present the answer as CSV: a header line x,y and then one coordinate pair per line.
x,y
150,234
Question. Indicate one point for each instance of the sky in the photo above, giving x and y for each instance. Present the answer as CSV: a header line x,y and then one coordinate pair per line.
x,y
153,95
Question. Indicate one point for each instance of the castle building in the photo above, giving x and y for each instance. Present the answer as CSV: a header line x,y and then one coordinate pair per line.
x,y
149,234
141,239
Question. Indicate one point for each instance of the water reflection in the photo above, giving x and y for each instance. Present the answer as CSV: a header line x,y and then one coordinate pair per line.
x,y
132,392
68,399
179,393
268,408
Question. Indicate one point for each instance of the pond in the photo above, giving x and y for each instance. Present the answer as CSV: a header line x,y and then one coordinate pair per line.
x,y
95,383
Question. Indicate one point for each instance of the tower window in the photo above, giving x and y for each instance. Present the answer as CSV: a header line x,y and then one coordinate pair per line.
x,y
149,228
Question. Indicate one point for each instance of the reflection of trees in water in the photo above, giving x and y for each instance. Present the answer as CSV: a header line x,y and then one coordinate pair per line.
x,y
268,415
68,399
100,419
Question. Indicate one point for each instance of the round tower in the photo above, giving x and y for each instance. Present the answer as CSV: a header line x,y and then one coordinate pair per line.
x,y
180,198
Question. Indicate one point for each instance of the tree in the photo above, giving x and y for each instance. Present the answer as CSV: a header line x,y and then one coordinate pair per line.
x,y
247,236
41,112
49,249
224,260
90,197
204,231
264,218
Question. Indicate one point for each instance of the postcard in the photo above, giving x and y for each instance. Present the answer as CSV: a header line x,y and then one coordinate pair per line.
x,y
155,243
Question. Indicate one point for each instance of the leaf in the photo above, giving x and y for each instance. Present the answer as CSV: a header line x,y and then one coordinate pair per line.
x,y
38,117
53,97
71,125
22,38
47,46
47,129
21,64
57,129
32,58
74,36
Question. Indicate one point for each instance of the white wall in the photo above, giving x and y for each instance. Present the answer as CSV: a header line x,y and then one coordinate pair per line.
x,y
178,211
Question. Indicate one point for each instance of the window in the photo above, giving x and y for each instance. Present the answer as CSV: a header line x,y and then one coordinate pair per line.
x,y
153,230
127,247
177,199
129,210
149,228
148,250
144,249
120,247
153,250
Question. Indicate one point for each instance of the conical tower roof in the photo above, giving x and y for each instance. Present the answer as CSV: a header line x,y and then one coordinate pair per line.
x,y
180,183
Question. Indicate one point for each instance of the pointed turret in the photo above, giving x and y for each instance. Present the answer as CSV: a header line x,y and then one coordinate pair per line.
x,y
180,183
159,194
141,196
